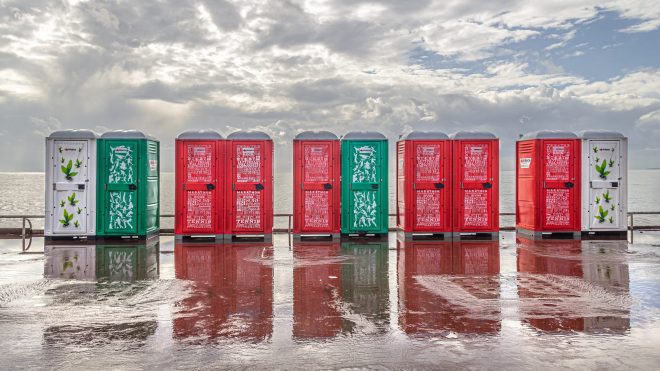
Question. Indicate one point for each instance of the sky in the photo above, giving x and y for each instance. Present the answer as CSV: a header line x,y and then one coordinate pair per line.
x,y
163,67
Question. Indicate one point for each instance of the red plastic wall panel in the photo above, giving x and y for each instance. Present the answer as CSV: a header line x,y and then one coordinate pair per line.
x,y
548,184
423,186
316,287
228,281
250,187
317,191
199,195
476,185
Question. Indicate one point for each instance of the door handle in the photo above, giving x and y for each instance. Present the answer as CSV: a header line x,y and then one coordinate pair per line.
x,y
439,186
132,187
615,184
374,186
488,185
259,187
327,186
210,187
81,187
569,184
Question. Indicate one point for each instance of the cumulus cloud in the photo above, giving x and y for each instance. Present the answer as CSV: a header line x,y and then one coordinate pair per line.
x,y
284,66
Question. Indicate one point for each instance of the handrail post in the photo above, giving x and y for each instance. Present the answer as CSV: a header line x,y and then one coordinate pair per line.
x,y
289,229
23,234
632,227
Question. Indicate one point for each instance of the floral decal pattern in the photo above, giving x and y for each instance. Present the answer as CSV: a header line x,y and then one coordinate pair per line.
x,y
122,212
364,164
121,165
71,166
365,209
605,201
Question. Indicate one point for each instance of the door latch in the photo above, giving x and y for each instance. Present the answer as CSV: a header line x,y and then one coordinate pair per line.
x,y
615,184
439,186
374,186
327,186
569,184
81,187
488,185
132,187
210,187
259,187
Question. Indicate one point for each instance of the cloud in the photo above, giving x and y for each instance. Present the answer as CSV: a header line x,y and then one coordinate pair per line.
x,y
286,66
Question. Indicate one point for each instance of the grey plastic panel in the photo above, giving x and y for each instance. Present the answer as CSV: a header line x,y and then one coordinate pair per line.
x,y
425,135
600,134
363,135
472,135
316,135
127,134
549,134
248,135
200,135
73,134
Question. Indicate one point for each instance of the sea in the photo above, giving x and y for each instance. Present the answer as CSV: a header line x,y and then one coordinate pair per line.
x,y
23,194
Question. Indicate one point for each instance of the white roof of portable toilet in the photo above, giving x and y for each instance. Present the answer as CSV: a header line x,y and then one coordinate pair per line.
x,y
315,135
600,134
363,135
127,134
200,135
80,134
425,135
472,135
248,135
549,134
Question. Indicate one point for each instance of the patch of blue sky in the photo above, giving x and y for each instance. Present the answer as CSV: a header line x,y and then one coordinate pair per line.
x,y
597,50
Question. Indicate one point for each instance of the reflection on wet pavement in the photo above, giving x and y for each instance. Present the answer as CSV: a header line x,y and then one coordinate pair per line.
x,y
511,303
232,291
573,285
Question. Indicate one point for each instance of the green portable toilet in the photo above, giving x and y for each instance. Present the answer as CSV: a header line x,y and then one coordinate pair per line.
x,y
128,184
364,206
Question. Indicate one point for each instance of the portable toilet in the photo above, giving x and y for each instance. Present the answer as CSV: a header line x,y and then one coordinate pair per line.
x,y
316,175
250,185
70,184
200,182
605,183
128,185
475,167
548,183
423,184
364,207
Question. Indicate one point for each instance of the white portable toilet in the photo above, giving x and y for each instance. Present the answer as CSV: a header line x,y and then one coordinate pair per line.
x,y
70,184
604,182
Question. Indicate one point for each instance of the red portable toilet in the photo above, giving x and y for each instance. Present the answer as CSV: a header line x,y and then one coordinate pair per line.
x,y
250,185
200,183
316,175
475,166
548,183
423,185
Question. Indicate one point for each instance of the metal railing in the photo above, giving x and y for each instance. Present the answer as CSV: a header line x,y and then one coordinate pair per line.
x,y
27,231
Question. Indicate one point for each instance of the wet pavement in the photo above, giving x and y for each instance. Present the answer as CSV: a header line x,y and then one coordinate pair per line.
x,y
512,303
